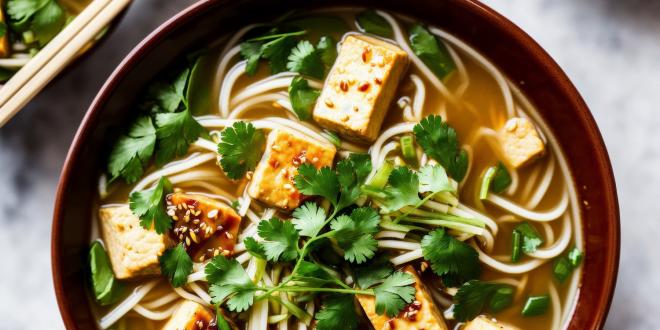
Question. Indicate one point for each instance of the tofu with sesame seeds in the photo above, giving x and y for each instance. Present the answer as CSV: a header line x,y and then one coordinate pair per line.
x,y
521,142
482,322
360,87
420,314
272,182
133,250
191,316
207,227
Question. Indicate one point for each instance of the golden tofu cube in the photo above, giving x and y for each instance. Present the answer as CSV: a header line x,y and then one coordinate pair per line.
x,y
205,226
360,87
273,178
5,48
133,250
482,322
521,142
421,314
190,316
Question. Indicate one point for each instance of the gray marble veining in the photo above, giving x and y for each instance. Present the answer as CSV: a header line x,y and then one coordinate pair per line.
x,y
609,48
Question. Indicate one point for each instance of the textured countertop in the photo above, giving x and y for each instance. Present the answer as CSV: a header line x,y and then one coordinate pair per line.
x,y
609,48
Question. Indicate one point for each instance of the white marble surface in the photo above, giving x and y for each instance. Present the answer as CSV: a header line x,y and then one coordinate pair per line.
x,y
609,48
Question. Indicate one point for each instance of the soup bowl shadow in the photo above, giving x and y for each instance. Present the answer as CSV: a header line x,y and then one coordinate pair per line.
x,y
521,59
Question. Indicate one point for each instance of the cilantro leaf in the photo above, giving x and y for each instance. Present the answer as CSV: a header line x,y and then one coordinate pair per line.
x,y
254,248
434,179
132,152
306,60
373,271
45,18
354,234
277,52
169,96
175,131
251,52
107,289
280,239
323,182
274,47
402,189
312,275
473,296
440,142
449,256
370,22
303,97
227,279
531,238
501,180
176,265
308,219
149,206
351,173
327,48
337,312
240,147
394,293
431,51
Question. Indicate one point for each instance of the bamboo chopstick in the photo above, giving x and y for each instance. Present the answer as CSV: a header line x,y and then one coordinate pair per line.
x,y
63,51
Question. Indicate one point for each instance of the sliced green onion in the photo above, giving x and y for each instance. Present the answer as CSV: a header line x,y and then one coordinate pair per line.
x,y
446,198
502,298
379,180
28,37
222,323
536,305
485,182
373,192
516,245
562,268
293,309
408,150
389,225
575,257
501,180
332,137
277,318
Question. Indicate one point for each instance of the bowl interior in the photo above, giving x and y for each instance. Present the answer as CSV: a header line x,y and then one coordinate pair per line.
x,y
517,55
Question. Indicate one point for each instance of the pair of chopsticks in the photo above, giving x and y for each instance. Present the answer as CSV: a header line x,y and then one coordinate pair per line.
x,y
55,56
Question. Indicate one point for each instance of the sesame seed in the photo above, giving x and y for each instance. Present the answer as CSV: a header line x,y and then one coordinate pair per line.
x,y
185,206
196,221
216,252
329,103
188,241
276,147
193,236
226,252
185,229
212,214
175,218
229,235
287,186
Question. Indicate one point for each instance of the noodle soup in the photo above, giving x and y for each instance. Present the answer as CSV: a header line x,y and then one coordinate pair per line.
x,y
345,168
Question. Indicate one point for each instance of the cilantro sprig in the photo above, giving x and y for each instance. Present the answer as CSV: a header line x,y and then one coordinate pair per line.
x,y
176,265
454,261
475,296
303,97
149,206
440,142
44,18
240,149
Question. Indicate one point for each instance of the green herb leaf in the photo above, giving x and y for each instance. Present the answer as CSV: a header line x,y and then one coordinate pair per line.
x,y
337,312
44,18
502,298
227,279
440,142
434,179
274,47
354,234
323,182
536,305
280,239
308,219
241,147
531,238
351,173
277,52
575,256
107,289
251,52
175,131
149,206
176,265
132,151
255,248
327,48
394,294
501,179
373,271
306,60
402,189
303,97
473,296
370,22
169,96
450,258
312,275
431,51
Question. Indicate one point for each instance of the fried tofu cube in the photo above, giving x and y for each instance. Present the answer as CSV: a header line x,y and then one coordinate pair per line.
x,y
190,316
521,142
5,48
360,87
206,226
133,250
272,181
420,314
482,322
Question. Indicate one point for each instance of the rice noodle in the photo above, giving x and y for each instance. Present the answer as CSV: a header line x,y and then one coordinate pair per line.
x,y
518,210
172,168
390,234
462,72
187,295
164,300
152,315
418,99
518,268
556,305
126,305
399,245
559,246
200,292
543,186
227,84
407,257
387,134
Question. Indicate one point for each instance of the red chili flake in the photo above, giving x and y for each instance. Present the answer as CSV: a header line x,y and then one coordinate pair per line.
x,y
364,87
365,54
343,85
300,158
378,81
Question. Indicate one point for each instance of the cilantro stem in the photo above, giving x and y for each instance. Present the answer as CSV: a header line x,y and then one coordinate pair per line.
x,y
420,203
275,36
312,289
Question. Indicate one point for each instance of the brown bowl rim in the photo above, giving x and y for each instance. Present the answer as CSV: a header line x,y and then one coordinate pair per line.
x,y
598,309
